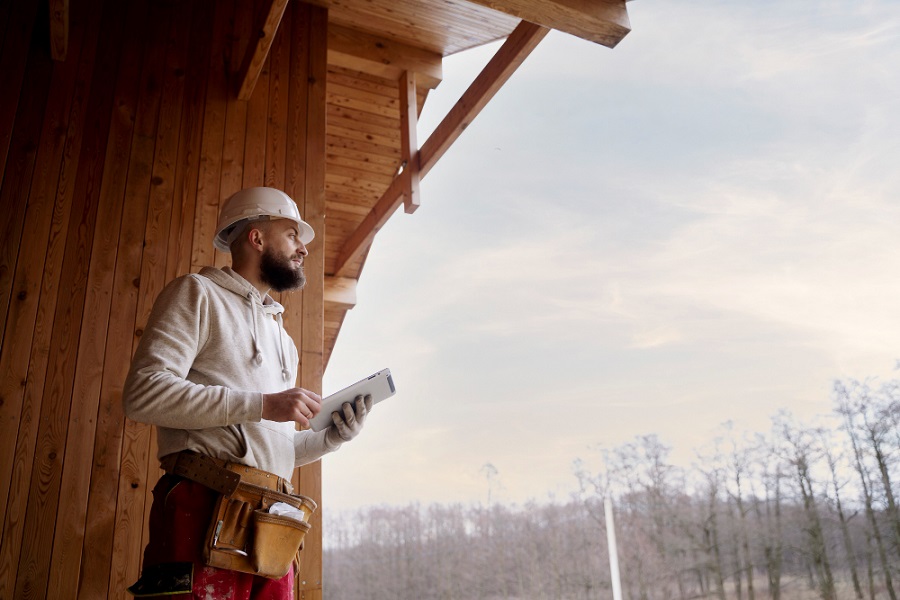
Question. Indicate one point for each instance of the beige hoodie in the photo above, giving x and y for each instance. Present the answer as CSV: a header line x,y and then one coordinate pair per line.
x,y
211,349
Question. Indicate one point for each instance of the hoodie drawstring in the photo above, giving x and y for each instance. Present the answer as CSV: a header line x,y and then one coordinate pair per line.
x,y
285,372
258,357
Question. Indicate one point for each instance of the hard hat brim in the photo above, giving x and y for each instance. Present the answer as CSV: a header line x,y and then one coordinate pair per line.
x,y
220,242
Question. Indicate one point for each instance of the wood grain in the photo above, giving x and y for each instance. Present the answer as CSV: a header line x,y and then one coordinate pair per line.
x,y
111,287
267,27
99,78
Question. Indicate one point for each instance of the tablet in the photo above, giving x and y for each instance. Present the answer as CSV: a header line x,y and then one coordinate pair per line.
x,y
380,385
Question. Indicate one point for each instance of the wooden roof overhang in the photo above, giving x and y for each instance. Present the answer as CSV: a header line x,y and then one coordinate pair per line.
x,y
384,56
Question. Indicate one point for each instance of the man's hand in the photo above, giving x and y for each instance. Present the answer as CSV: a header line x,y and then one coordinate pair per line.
x,y
296,404
349,421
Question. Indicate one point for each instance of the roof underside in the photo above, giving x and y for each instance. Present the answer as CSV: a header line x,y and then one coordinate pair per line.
x,y
440,26
372,46
384,56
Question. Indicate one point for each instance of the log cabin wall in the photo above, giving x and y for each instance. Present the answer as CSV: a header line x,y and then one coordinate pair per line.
x,y
114,162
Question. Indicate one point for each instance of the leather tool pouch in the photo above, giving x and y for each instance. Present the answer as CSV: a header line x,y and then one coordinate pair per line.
x,y
244,536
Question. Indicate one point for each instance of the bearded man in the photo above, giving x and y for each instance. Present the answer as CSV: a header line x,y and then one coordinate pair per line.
x,y
215,372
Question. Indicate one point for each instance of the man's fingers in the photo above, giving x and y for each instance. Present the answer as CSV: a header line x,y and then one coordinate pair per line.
x,y
350,418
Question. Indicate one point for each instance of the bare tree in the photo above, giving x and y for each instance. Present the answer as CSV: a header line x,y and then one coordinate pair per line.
x,y
711,472
849,406
827,442
771,474
739,463
801,452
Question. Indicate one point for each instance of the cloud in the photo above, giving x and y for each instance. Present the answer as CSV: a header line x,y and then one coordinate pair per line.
x,y
697,226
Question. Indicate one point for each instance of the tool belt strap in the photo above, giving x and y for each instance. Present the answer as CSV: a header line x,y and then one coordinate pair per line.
x,y
219,474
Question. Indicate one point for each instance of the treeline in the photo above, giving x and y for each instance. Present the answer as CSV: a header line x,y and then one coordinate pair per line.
x,y
803,511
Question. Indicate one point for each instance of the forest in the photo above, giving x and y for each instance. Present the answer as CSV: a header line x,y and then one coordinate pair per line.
x,y
802,511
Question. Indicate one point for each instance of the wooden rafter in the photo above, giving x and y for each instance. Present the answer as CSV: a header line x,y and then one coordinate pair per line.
x,y
509,57
360,51
267,25
340,292
409,146
59,29
602,21
495,74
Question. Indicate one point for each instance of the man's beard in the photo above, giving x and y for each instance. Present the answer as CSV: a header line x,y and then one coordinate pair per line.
x,y
279,274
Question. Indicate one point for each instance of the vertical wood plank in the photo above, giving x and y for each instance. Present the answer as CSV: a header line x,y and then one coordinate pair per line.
x,y
97,81
279,85
59,29
45,488
233,147
16,44
106,278
255,141
295,187
79,188
298,99
141,256
37,271
242,36
159,216
14,359
21,113
295,39
21,262
310,476
181,233
207,210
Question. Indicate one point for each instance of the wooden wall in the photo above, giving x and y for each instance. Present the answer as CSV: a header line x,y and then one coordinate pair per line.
x,y
113,166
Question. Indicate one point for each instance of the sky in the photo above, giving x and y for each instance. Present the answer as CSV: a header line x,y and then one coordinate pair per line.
x,y
698,226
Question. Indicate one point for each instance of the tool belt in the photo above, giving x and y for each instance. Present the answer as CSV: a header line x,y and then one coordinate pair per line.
x,y
243,535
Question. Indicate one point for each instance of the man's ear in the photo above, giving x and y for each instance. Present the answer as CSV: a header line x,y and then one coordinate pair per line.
x,y
255,238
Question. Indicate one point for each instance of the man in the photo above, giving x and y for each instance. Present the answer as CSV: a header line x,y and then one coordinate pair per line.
x,y
215,372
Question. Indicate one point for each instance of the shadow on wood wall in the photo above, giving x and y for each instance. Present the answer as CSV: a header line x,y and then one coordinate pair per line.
x,y
113,165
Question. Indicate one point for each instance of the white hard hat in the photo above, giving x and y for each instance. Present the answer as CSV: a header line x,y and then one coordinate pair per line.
x,y
255,204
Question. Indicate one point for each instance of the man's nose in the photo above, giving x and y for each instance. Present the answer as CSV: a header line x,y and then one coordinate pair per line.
x,y
303,249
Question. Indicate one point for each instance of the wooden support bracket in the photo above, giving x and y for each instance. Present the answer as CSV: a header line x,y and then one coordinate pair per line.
x,y
409,147
495,74
511,54
340,292
267,22
602,21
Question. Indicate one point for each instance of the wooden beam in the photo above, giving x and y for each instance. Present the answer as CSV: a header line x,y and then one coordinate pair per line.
x,y
409,146
268,20
340,292
353,49
59,29
602,21
497,72
360,239
499,69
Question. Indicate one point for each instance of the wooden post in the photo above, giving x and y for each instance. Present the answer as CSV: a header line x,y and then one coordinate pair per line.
x,y
304,181
409,147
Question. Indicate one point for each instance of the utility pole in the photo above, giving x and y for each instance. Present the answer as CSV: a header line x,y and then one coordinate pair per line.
x,y
611,537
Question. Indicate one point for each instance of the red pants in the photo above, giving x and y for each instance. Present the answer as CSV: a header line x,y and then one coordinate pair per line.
x,y
179,519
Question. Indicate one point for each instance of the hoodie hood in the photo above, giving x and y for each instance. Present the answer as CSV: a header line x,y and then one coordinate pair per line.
x,y
229,279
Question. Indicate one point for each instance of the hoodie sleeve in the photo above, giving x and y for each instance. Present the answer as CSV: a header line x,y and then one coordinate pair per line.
x,y
157,391
311,445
